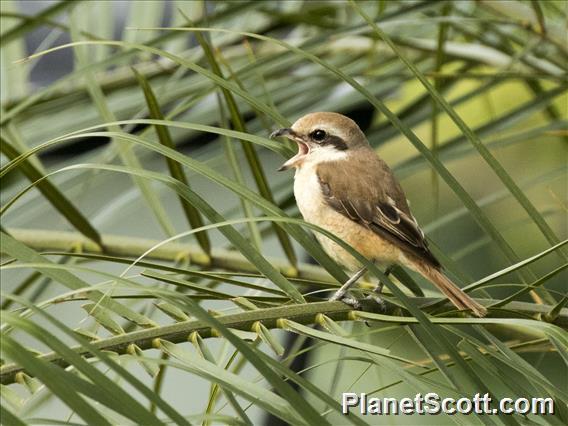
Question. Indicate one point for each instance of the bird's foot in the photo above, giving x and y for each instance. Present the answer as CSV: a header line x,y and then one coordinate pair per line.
x,y
378,300
351,301
340,294
376,296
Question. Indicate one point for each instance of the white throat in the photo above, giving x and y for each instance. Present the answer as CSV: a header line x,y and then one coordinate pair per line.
x,y
323,154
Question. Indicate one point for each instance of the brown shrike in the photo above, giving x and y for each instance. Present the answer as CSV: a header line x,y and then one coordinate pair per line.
x,y
342,186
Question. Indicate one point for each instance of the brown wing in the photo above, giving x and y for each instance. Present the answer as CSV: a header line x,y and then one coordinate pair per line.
x,y
374,200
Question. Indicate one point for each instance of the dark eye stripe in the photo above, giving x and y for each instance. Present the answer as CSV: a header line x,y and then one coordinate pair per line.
x,y
337,142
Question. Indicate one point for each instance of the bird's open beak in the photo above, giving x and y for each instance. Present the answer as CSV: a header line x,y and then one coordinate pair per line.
x,y
282,132
303,148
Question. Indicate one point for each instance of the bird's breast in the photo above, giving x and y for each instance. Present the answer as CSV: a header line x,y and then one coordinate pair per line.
x,y
314,209
309,198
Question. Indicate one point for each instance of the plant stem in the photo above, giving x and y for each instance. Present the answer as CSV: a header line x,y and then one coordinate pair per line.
x,y
307,313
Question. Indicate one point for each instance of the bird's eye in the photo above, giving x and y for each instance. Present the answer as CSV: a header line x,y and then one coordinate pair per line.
x,y
318,135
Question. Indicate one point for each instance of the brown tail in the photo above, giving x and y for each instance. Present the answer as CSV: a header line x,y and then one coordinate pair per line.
x,y
460,299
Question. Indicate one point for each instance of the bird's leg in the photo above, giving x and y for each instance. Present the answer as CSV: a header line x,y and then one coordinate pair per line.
x,y
379,288
340,294
376,295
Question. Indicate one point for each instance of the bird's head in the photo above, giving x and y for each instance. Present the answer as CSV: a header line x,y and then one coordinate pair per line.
x,y
322,136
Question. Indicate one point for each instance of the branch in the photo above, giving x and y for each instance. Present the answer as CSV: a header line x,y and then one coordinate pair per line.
x,y
306,314
180,332
118,245
232,261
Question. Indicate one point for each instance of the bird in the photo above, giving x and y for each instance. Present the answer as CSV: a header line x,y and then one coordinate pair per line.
x,y
344,187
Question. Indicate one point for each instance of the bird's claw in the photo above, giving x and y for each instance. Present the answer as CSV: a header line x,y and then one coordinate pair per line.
x,y
378,300
351,301
340,294
376,296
